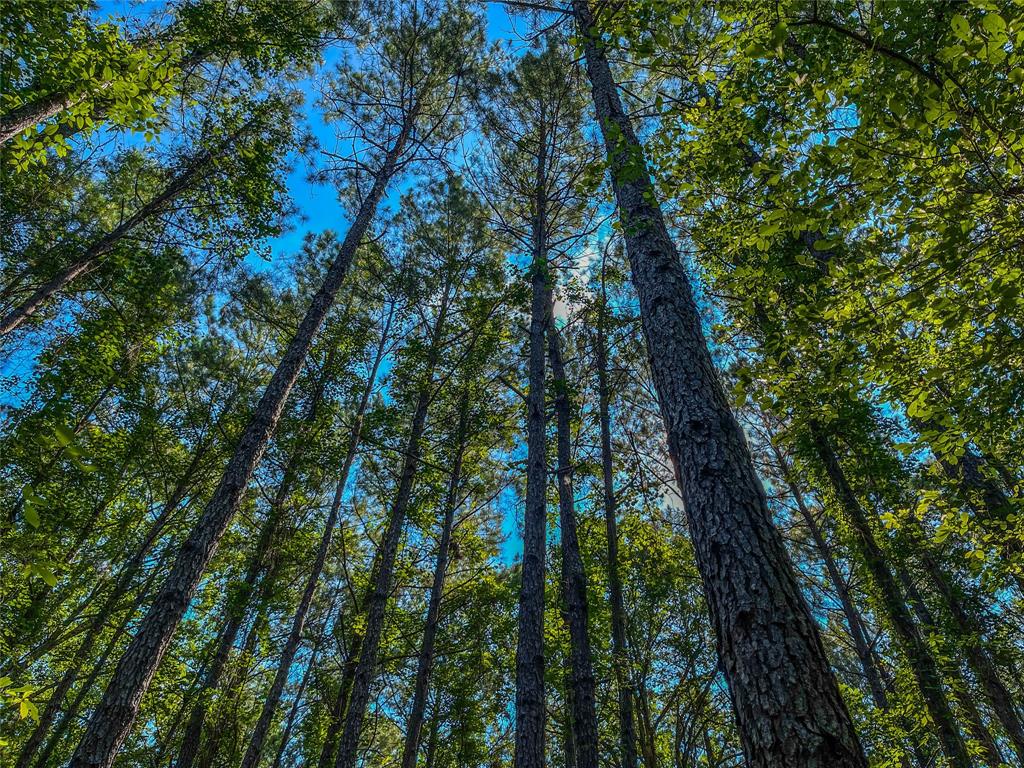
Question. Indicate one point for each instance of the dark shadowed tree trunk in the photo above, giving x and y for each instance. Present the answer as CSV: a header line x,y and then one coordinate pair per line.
x,y
190,174
574,578
110,722
340,704
529,707
620,658
788,707
425,660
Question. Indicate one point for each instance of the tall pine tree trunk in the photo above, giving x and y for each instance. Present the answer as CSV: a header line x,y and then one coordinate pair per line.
x,y
529,705
255,748
425,660
574,579
788,707
110,722
380,588
918,654
620,658
340,705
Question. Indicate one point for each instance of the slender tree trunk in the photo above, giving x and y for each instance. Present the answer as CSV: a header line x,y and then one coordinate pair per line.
x,y
255,568
380,588
620,658
425,661
788,707
529,706
647,750
959,686
340,706
259,735
432,741
109,725
568,727
186,178
919,656
574,578
293,712
978,657
850,612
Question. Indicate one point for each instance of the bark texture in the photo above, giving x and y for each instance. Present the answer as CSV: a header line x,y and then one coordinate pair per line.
x,y
111,720
530,714
788,707
31,113
574,578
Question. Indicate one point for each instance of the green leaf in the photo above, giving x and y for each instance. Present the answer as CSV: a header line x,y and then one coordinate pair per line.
x,y
44,573
31,514
961,28
993,23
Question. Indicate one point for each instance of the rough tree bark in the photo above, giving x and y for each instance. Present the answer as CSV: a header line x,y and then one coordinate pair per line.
x,y
425,660
788,707
31,113
108,727
259,735
530,714
620,658
574,578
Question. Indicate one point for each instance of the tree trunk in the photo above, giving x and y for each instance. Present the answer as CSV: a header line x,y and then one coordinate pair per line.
x,y
620,658
529,705
380,588
574,578
568,729
340,706
959,685
109,725
852,615
414,724
256,567
294,711
189,175
788,707
31,113
979,658
918,654
259,735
